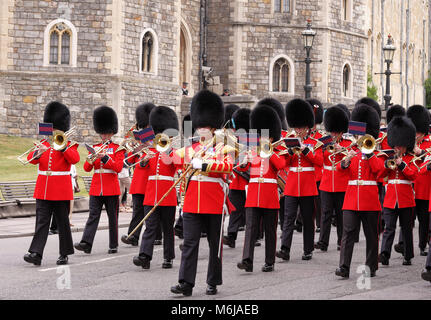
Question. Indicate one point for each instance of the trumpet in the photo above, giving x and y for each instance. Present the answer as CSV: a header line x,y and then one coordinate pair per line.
x,y
23,157
391,164
367,144
60,138
93,156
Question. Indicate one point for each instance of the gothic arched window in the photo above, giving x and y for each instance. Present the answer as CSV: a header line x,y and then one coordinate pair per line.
x,y
149,52
60,44
282,6
347,81
280,76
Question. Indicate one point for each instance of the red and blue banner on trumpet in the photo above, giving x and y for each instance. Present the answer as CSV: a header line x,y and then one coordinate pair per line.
x,y
248,139
144,135
357,128
45,129
326,140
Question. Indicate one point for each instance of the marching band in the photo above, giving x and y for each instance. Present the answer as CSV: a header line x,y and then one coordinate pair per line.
x,y
285,170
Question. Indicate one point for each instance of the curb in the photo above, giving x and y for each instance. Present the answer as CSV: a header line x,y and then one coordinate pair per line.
x,y
73,229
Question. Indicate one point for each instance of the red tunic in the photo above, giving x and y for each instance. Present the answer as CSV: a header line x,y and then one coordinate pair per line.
x,y
423,180
399,189
140,177
362,193
334,180
262,188
318,168
105,178
54,181
161,172
205,193
301,180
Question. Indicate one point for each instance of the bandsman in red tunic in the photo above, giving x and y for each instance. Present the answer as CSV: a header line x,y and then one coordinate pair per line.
x,y
238,184
399,200
301,184
361,202
161,171
105,187
262,196
206,194
53,190
334,183
140,178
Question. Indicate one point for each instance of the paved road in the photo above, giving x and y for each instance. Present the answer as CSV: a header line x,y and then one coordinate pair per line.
x,y
101,276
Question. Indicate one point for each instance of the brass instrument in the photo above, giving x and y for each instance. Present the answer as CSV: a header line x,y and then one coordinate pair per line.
x,y
367,144
391,164
60,138
93,156
417,158
23,157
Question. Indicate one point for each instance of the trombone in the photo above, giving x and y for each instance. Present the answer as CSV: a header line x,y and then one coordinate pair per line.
x,y
93,156
60,138
23,157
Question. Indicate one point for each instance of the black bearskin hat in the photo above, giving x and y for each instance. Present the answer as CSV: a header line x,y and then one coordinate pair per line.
x,y
228,112
105,120
372,103
395,111
420,118
241,119
264,117
318,110
402,133
163,118
278,107
344,108
299,113
187,118
57,114
143,115
207,110
367,114
336,120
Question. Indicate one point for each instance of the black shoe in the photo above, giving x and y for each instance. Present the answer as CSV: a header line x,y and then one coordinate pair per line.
x,y
407,262
179,233
53,231
283,254
132,240
373,274
62,260
257,243
241,229
342,272
321,246
157,242
298,228
141,261
399,247
383,259
426,274
167,264
317,230
83,246
423,253
334,222
182,288
181,246
338,247
34,258
112,250
211,290
203,235
267,267
245,265
307,256
229,241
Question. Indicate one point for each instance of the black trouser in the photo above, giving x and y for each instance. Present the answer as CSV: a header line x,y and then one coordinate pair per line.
x,y
351,222
306,205
331,201
269,219
382,192
138,214
428,262
421,211
111,205
390,217
281,212
164,216
318,206
193,225
237,197
53,223
44,210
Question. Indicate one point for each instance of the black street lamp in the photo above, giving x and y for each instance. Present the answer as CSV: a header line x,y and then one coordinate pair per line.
x,y
308,37
388,53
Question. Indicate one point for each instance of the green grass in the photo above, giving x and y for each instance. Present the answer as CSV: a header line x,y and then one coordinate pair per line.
x,y
12,170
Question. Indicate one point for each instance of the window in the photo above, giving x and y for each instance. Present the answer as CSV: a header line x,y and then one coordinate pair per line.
x,y
347,81
149,52
280,76
282,6
346,10
60,44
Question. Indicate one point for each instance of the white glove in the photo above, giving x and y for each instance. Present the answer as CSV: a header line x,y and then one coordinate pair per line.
x,y
197,164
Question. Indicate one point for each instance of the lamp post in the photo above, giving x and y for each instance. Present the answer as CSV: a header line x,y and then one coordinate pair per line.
x,y
388,53
308,37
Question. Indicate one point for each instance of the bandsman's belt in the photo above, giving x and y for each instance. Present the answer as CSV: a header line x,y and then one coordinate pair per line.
x,y
104,171
201,178
330,168
262,180
159,177
54,173
362,183
301,169
397,181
